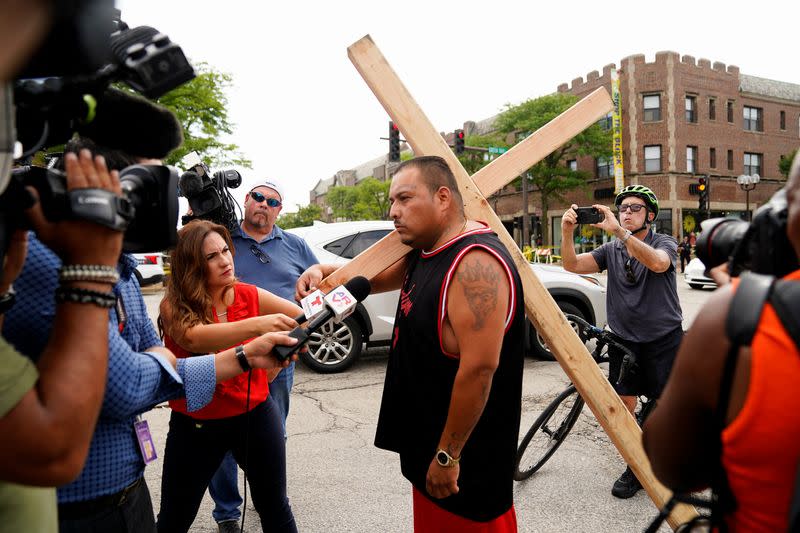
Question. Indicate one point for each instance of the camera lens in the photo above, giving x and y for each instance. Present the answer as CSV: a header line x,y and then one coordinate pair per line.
x,y
718,240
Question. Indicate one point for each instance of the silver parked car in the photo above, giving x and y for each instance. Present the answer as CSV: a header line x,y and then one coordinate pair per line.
x,y
337,346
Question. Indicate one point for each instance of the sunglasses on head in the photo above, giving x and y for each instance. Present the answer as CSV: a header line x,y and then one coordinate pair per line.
x,y
260,254
629,271
259,197
634,208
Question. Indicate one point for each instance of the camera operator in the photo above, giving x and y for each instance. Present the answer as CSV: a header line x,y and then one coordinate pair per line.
x,y
642,306
110,494
49,410
748,451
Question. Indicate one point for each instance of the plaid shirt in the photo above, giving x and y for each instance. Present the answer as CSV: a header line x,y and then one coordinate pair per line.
x,y
136,381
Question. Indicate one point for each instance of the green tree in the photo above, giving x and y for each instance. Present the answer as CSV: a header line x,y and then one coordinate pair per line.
x,y
342,200
551,178
305,216
785,163
201,106
373,199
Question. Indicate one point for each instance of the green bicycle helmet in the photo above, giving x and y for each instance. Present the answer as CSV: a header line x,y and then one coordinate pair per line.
x,y
639,191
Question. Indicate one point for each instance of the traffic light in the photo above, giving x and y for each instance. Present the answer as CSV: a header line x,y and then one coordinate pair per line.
x,y
458,138
702,189
394,142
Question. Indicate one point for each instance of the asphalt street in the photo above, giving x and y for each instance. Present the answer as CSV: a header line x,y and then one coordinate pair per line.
x,y
339,482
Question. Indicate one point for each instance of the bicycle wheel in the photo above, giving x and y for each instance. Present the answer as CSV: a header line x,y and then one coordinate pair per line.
x,y
547,433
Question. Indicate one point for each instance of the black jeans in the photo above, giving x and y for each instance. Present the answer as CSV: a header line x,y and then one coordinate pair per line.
x,y
194,451
654,360
133,515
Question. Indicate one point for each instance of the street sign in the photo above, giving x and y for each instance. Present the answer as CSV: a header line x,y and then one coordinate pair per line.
x,y
496,150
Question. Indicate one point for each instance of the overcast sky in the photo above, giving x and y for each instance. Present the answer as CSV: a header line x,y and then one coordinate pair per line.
x,y
301,111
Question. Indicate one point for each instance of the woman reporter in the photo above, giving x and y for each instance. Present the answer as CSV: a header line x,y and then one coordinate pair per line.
x,y
206,309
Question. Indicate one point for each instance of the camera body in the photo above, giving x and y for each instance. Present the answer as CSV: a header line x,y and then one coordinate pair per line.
x,y
761,246
57,94
208,194
589,215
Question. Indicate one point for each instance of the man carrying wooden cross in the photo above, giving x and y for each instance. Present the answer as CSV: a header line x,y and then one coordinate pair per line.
x,y
451,399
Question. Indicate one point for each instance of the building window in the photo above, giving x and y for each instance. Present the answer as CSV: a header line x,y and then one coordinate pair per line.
x,y
753,118
605,167
652,158
783,120
691,159
652,107
752,163
606,122
572,164
691,108
730,159
712,109
712,157
730,111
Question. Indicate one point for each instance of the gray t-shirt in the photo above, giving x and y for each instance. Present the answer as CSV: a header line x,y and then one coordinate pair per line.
x,y
646,308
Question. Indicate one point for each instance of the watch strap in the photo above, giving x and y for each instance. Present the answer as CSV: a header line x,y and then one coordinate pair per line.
x,y
242,358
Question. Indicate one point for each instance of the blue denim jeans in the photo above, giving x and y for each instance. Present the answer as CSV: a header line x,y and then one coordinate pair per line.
x,y
224,486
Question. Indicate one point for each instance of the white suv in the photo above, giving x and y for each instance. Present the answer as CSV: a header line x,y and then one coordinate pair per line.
x,y
337,346
149,268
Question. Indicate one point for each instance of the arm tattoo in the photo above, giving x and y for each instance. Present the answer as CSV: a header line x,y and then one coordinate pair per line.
x,y
480,287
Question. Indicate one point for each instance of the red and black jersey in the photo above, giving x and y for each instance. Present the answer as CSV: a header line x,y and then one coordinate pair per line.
x,y
420,376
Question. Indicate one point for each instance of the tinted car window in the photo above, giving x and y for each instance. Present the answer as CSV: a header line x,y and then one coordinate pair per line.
x,y
352,245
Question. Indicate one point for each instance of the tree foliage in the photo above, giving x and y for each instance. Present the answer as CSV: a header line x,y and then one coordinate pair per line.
x,y
305,216
551,178
201,106
785,163
473,160
369,200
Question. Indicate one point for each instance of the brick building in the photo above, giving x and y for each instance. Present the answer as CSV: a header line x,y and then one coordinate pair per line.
x,y
681,119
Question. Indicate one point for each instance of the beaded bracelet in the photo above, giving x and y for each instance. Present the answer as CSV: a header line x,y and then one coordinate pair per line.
x,y
91,273
85,296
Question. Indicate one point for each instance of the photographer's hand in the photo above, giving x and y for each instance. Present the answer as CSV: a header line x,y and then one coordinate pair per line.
x,y
79,241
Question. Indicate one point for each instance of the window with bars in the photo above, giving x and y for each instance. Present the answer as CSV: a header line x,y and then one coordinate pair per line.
x,y
752,163
606,122
753,118
691,159
690,105
652,107
652,158
605,167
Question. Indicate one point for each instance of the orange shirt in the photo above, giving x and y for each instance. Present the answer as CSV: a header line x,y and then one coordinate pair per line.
x,y
761,446
230,396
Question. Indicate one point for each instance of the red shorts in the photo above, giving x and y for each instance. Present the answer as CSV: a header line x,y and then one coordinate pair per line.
x,y
430,518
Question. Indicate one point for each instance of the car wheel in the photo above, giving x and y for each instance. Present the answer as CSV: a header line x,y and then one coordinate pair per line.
x,y
695,286
539,348
334,347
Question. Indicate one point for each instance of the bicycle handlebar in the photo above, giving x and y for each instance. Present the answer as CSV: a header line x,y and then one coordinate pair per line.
x,y
605,337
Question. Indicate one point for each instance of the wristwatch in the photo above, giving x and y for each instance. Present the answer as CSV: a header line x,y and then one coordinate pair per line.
x,y
627,236
445,459
242,359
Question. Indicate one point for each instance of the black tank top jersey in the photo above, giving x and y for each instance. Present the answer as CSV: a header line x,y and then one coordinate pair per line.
x,y
420,376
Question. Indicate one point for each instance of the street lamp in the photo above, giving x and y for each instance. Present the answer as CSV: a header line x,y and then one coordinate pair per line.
x,y
747,183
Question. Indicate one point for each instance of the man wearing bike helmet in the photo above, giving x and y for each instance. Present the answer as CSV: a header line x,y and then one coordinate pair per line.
x,y
642,302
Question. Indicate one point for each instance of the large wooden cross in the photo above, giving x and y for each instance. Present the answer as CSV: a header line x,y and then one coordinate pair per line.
x,y
541,309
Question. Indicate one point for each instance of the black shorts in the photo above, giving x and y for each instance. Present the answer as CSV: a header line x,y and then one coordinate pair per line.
x,y
654,361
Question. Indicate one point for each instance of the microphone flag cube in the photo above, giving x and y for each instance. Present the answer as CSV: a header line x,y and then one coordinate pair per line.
x,y
313,304
341,302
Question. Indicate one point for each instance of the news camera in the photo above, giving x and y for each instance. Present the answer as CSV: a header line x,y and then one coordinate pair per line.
x,y
64,89
760,246
208,194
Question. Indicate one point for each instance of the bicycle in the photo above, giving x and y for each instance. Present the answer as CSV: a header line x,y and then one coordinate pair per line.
x,y
551,427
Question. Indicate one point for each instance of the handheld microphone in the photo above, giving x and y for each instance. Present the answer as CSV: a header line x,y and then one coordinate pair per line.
x,y
339,304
